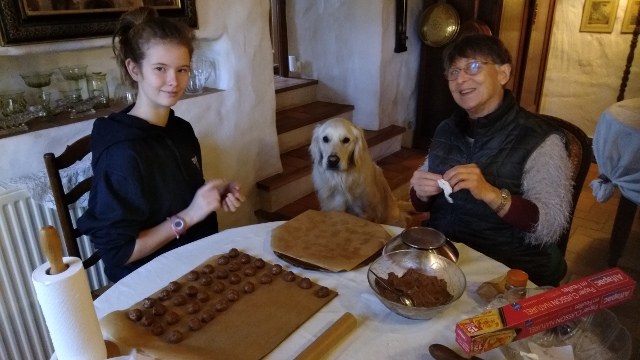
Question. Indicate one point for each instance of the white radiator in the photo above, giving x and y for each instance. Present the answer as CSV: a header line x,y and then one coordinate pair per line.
x,y
23,331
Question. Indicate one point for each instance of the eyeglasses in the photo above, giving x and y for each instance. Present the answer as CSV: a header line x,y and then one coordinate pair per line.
x,y
471,68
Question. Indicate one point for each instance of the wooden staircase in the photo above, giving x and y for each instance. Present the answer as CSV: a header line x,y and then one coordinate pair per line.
x,y
289,193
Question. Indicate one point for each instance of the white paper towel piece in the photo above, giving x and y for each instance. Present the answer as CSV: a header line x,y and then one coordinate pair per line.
x,y
446,188
552,353
67,306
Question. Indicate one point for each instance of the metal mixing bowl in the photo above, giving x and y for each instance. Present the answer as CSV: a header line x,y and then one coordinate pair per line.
x,y
423,238
400,262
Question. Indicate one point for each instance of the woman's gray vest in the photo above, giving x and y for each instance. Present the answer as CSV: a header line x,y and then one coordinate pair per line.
x,y
503,142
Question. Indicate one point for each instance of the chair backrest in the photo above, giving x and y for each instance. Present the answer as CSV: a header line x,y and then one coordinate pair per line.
x,y
579,150
73,153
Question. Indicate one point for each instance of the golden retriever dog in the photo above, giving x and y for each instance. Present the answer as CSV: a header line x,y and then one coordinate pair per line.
x,y
345,177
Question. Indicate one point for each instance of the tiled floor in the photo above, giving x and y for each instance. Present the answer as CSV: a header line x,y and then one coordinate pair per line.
x,y
588,249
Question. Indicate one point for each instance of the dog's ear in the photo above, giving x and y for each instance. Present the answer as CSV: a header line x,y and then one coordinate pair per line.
x,y
314,147
360,151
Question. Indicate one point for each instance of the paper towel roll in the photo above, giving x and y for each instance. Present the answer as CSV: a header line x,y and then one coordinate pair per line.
x,y
68,309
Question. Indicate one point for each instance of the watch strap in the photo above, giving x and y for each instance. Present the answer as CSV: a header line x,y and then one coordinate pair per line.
x,y
178,225
504,196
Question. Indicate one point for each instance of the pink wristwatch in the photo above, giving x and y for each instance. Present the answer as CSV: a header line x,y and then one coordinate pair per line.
x,y
178,225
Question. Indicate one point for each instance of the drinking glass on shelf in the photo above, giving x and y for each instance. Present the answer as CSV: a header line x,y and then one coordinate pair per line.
x,y
39,80
201,70
13,108
72,96
73,74
125,93
98,89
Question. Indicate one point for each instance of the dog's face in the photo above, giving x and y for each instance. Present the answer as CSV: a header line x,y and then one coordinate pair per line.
x,y
337,145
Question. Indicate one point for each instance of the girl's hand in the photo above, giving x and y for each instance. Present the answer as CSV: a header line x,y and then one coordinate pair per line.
x,y
206,200
231,197
425,184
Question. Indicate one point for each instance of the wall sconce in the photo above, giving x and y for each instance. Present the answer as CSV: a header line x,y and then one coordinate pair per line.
x,y
401,26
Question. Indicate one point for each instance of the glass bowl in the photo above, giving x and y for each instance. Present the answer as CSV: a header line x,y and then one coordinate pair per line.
x,y
73,72
399,262
597,336
423,238
37,79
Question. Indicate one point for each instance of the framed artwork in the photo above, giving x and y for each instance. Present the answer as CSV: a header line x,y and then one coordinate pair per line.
x,y
630,16
599,15
37,21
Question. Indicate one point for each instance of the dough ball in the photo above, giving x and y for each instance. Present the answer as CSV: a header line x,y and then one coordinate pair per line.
x,y
175,337
193,275
171,317
174,286
276,269
265,279
191,291
234,279
135,314
148,303
223,260
208,269
289,276
179,300
206,280
159,310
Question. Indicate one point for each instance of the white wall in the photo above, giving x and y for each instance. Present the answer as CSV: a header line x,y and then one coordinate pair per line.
x,y
584,70
236,127
347,45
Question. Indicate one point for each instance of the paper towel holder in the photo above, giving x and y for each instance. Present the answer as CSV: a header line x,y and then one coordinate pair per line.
x,y
52,248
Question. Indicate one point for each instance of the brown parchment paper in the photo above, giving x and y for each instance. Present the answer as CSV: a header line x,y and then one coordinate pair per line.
x,y
332,240
249,329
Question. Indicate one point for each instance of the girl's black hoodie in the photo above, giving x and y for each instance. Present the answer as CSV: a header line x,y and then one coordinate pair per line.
x,y
143,174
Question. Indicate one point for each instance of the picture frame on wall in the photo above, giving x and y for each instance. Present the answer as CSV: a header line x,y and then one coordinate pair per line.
x,y
630,16
41,21
599,16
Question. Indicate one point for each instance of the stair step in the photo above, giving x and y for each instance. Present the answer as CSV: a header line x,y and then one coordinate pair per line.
x,y
288,84
303,115
397,169
295,125
291,92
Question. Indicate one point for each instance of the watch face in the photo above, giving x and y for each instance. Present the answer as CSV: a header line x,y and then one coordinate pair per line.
x,y
178,224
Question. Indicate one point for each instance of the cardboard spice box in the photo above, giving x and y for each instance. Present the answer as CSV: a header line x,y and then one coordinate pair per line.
x,y
543,311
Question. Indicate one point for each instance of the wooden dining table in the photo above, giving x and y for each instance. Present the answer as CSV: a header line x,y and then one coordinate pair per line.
x,y
380,334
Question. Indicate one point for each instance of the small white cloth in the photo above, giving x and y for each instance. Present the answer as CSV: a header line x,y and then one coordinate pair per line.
x,y
446,188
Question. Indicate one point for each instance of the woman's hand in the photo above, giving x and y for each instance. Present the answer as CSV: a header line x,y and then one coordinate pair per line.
x,y
231,197
425,184
470,177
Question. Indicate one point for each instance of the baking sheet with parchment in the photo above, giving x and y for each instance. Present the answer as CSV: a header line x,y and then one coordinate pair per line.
x,y
249,329
332,240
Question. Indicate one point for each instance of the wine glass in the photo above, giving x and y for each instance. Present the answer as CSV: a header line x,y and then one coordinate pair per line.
x,y
39,80
73,73
124,92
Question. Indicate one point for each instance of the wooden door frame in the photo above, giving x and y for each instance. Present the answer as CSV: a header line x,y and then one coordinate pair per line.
x,y
279,37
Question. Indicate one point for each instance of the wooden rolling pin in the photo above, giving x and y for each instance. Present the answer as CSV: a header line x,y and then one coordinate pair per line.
x,y
329,338
52,248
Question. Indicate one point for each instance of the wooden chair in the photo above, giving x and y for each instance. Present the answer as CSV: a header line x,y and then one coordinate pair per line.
x,y
70,234
579,149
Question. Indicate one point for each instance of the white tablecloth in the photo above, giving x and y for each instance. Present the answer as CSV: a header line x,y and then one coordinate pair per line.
x,y
381,334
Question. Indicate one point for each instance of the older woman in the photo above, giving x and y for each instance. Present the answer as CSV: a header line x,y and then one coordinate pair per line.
x,y
508,168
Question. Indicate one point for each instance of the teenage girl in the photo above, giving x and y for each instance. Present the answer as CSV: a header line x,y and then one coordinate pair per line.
x,y
149,195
